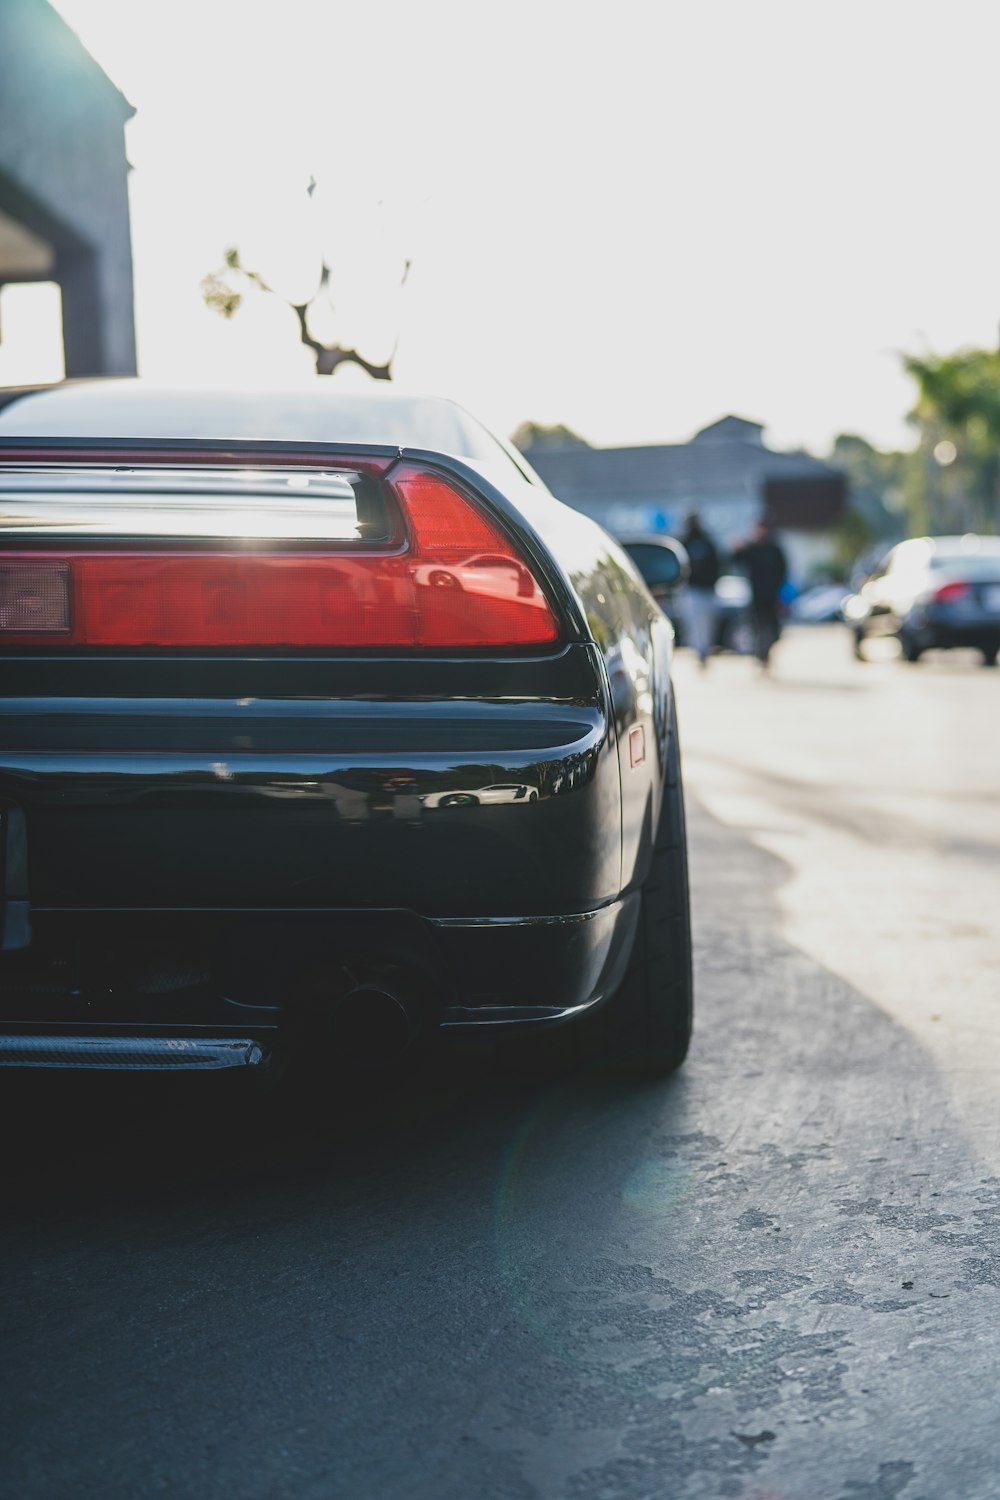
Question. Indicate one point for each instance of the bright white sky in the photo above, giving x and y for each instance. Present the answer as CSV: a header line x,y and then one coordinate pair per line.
x,y
628,217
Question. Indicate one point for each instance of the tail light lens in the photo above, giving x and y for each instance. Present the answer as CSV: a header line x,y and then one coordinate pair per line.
x,y
950,593
458,582
34,597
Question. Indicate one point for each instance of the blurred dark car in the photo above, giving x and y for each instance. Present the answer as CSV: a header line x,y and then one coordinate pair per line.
x,y
820,605
932,593
324,727
733,630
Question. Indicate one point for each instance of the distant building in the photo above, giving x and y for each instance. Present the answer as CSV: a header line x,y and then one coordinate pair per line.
x,y
725,472
63,185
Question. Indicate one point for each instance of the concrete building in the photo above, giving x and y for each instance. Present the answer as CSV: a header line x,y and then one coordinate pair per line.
x,y
64,214
726,473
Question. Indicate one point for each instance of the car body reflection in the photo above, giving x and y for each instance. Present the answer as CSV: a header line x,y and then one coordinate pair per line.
x,y
481,796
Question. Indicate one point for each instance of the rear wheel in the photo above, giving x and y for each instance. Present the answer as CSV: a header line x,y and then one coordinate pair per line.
x,y
647,1025
990,654
909,647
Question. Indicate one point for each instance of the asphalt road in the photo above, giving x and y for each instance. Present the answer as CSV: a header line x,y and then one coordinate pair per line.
x,y
777,1275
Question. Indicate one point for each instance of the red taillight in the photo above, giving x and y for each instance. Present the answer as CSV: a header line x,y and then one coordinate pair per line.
x,y
471,586
950,593
460,582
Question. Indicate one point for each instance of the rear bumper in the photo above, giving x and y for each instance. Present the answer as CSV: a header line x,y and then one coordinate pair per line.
x,y
511,833
223,867
498,793
200,990
984,637
941,627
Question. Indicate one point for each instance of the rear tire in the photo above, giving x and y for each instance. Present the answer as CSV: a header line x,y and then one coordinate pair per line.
x,y
911,651
647,1024
990,656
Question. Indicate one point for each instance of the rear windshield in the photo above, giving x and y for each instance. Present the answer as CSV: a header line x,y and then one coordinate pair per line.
x,y
971,565
127,409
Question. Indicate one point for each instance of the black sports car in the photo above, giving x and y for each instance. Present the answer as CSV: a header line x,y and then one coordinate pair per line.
x,y
322,723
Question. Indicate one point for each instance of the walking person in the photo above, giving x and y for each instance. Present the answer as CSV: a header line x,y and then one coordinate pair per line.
x,y
698,601
766,567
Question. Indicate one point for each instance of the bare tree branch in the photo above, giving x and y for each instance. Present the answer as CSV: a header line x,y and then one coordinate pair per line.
x,y
225,298
329,356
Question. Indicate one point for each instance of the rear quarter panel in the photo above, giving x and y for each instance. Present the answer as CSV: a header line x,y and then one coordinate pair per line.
x,y
614,609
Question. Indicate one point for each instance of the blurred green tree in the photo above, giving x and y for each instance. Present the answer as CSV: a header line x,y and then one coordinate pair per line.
x,y
879,488
958,418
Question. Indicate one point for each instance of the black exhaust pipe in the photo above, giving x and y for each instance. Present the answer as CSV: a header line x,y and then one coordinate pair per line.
x,y
377,1022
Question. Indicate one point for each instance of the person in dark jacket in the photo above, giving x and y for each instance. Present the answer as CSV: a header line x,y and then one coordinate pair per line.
x,y
763,561
698,603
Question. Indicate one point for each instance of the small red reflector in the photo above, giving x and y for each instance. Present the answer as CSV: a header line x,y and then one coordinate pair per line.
x,y
636,746
460,582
